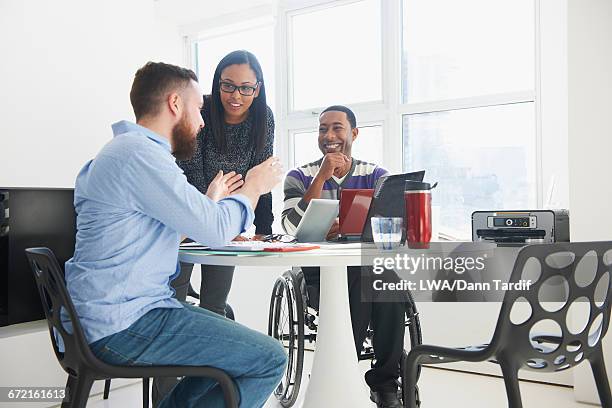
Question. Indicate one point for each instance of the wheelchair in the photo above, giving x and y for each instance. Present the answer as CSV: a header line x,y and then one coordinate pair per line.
x,y
293,322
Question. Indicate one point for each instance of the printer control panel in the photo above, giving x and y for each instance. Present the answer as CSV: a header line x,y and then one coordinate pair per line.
x,y
512,221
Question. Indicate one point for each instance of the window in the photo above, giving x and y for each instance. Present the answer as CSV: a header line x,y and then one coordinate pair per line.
x,y
335,55
452,87
468,88
453,91
458,49
483,158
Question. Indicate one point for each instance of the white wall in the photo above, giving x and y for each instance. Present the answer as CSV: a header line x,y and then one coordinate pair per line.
x,y
590,140
590,117
65,73
552,102
66,68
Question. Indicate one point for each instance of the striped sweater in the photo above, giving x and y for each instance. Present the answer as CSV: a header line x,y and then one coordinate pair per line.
x,y
361,175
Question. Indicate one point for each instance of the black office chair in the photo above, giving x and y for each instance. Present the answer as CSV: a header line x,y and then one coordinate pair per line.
x,y
82,366
580,270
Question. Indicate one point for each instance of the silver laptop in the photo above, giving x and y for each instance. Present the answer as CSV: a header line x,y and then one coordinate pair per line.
x,y
317,220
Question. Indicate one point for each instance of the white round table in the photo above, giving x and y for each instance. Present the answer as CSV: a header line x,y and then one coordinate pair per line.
x,y
335,377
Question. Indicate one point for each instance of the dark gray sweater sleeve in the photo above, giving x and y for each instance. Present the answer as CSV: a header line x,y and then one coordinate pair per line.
x,y
263,212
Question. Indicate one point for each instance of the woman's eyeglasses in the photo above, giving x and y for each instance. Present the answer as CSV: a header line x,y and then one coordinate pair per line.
x,y
244,90
284,238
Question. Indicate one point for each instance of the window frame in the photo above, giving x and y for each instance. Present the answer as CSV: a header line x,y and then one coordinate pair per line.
x,y
391,109
550,133
294,121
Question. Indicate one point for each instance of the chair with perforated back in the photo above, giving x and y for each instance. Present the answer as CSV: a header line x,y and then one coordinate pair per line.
x,y
82,366
567,314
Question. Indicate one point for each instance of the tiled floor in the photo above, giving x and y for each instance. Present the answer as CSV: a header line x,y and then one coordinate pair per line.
x,y
439,389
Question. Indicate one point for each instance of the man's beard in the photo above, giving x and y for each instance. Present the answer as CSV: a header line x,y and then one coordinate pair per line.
x,y
183,140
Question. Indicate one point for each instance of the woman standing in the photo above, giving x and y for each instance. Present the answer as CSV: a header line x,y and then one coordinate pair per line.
x,y
238,134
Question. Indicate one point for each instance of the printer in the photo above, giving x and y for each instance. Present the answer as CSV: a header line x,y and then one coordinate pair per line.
x,y
520,227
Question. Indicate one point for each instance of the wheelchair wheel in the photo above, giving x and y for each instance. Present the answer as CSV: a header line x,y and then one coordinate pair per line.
x,y
413,326
413,330
286,324
413,323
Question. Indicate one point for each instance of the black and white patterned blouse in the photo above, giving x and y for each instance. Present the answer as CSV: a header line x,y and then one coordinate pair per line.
x,y
241,156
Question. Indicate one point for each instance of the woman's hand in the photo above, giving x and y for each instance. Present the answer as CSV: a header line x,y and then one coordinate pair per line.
x,y
240,238
223,185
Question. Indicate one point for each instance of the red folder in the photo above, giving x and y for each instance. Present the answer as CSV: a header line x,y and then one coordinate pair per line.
x,y
292,248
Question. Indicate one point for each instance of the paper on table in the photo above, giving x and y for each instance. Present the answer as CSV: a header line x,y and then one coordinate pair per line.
x,y
348,245
193,245
257,246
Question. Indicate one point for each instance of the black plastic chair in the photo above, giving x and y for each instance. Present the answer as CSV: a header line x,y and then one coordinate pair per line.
x,y
145,391
82,366
582,272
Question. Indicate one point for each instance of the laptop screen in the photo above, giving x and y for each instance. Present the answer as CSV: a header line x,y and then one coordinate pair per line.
x,y
354,206
388,200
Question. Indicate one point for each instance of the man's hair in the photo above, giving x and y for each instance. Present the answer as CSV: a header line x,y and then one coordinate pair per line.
x,y
349,113
153,82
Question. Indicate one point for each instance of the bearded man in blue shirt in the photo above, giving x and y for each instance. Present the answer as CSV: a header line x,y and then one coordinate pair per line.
x,y
133,203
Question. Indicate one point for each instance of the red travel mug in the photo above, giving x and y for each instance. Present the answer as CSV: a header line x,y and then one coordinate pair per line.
x,y
417,200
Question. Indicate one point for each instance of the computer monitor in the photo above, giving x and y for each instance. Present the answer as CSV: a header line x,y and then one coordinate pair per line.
x,y
31,217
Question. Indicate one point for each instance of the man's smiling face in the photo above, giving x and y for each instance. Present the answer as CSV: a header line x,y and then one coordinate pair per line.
x,y
335,133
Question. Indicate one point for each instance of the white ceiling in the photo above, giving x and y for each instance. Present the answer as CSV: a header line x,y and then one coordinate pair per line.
x,y
182,12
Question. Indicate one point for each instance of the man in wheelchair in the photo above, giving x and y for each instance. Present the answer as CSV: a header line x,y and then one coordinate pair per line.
x,y
323,179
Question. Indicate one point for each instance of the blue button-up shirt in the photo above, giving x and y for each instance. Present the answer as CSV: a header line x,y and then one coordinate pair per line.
x,y
133,203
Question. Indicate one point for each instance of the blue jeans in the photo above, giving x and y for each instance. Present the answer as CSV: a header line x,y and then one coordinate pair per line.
x,y
193,336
